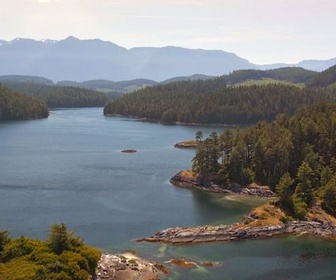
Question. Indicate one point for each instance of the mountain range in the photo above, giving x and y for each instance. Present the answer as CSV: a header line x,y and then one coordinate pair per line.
x,y
73,59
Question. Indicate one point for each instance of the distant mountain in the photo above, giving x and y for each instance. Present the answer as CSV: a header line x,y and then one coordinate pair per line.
x,y
10,79
313,65
80,60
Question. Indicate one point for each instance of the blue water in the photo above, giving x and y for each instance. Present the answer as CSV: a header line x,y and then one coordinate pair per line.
x,y
69,168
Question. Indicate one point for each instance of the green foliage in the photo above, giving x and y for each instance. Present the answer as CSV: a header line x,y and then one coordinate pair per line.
x,y
294,155
16,106
284,190
60,239
62,256
329,196
4,239
61,96
323,79
288,74
213,102
299,206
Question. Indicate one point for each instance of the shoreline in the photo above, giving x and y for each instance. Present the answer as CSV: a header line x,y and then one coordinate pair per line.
x,y
266,221
144,119
238,232
186,179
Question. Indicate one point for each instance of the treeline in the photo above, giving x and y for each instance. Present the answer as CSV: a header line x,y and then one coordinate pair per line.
x,y
16,106
212,102
71,97
62,256
324,79
294,155
289,74
62,97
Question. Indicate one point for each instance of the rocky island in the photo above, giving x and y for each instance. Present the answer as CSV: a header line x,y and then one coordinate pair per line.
x,y
266,221
129,151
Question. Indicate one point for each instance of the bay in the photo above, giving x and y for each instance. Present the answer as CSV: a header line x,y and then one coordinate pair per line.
x,y
69,168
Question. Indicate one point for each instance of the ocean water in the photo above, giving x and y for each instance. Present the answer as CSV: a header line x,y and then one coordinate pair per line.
x,y
69,168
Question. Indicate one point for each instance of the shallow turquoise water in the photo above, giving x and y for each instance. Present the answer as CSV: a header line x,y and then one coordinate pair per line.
x,y
69,168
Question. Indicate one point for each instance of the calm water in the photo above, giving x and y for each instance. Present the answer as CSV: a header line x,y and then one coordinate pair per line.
x,y
69,168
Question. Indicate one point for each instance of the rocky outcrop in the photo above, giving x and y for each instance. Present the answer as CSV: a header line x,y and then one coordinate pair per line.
x,y
237,232
127,267
187,145
186,179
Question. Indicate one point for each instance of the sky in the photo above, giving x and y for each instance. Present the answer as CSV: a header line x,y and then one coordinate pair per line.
x,y
261,31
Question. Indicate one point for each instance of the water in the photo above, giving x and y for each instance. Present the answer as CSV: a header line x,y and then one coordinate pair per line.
x,y
69,168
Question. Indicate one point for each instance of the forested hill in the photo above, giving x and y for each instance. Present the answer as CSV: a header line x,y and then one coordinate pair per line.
x,y
326,78
294,155
213,102
61,96
293,75
16,106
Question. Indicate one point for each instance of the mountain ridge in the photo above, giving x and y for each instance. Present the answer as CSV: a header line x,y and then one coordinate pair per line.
x,y
89,59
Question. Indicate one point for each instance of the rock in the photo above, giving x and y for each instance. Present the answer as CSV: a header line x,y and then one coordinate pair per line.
x,y
241,232
187,145
182,263
127,267
129,151
186,179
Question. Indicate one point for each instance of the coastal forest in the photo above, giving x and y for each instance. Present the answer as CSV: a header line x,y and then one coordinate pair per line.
x,y
294,155
218,101
62,256
16,106
61,96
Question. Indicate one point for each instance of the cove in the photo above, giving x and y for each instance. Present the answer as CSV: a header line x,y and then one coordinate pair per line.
x,y
69,168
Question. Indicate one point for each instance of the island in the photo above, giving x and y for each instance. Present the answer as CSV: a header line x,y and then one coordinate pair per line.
x,y
129,151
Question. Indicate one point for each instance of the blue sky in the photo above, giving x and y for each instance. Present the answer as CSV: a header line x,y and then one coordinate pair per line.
x,y
262,31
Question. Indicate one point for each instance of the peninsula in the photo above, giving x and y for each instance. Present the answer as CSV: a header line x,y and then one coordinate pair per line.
x,y
292,160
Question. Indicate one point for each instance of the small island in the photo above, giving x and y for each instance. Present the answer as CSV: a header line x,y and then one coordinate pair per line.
x,y
129,151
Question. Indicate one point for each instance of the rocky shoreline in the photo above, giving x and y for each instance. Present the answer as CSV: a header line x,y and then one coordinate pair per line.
x,y
221,233
186,179
127,267
187,144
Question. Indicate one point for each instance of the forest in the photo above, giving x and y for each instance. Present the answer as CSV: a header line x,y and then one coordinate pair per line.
x,y
16,106
61,96
62,256
294,155
224,100
212,102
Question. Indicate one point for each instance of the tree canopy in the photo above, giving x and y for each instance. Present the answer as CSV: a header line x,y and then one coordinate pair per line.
x,y
16,106
294,155
212,102
61,257
61,96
